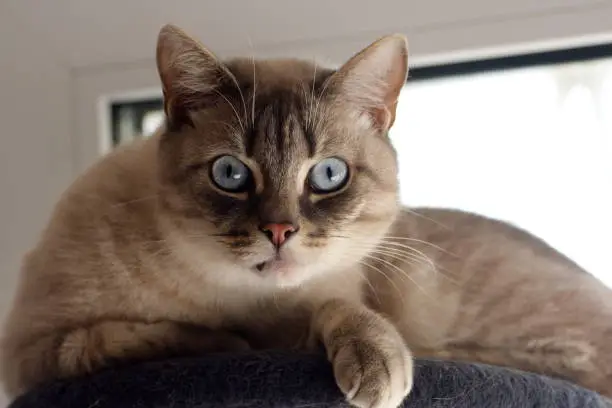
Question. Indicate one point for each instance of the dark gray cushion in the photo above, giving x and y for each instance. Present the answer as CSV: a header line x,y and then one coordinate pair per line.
x,y
297,380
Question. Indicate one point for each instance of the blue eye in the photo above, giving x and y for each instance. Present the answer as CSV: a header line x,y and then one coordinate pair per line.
x,y
230,174
328,175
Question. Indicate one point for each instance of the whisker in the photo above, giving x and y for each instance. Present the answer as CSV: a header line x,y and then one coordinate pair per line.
x,y
154,241
320,98
254,83
233,108
415,252
376,269
420,241
401,272
408,247
136,200
237,85
312,94
407,255
417,256
367,281
230,128
409,259
162,250
438,223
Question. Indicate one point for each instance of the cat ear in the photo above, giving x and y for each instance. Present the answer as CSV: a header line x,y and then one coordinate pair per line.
x,y
371,81
189,73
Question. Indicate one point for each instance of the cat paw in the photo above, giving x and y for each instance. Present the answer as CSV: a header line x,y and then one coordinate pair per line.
x,y
374,369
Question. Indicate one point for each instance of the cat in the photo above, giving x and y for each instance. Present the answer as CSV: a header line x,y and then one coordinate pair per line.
x,y
268,202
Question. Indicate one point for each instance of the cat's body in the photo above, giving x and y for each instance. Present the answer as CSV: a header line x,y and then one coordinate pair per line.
x,y
153,252
477,289
114,210
117,271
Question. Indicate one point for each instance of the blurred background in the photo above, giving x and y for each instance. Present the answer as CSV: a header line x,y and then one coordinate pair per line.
x,y
507,112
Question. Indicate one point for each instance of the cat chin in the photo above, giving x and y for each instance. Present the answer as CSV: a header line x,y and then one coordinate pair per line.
x,y
276,267
281,273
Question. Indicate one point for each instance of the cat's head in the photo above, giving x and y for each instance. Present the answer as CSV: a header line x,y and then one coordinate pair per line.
x,y
278,170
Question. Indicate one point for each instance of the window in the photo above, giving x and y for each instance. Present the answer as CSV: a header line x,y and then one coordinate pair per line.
x,y
532,146
132,120
523,139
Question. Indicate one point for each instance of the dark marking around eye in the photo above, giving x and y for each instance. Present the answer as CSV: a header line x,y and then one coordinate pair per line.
x,y
221,205
330,211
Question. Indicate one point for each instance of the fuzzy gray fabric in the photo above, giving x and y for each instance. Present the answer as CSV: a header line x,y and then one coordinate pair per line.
x,y
297,380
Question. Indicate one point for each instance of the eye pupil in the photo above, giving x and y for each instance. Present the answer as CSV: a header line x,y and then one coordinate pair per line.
x,y
230,174
328,175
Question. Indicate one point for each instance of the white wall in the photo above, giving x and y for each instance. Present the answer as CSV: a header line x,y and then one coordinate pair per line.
x,y
35,139
57,58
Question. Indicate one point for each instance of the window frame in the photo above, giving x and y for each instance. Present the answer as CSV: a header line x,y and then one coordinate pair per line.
x,y
511,62
417,74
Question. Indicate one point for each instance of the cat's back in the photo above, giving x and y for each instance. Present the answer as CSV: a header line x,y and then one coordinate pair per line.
x,y
459,270
97,218
464,233
120,183
124,173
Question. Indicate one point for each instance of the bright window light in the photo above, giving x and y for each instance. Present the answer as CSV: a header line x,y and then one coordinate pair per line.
x,y
530,146
151,121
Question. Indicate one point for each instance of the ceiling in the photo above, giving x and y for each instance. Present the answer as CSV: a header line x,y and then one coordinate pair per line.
x,y
86,33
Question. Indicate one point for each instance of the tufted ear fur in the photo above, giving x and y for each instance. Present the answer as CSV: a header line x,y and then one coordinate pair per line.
x,y
190,74
371,81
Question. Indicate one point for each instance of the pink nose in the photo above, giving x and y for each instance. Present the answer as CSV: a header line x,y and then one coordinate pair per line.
x,y
278,233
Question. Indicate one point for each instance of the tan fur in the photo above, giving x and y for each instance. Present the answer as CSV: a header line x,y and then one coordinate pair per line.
x,y
477,289
145,257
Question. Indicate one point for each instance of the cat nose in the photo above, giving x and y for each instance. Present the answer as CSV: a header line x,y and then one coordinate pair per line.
x,y
278,233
